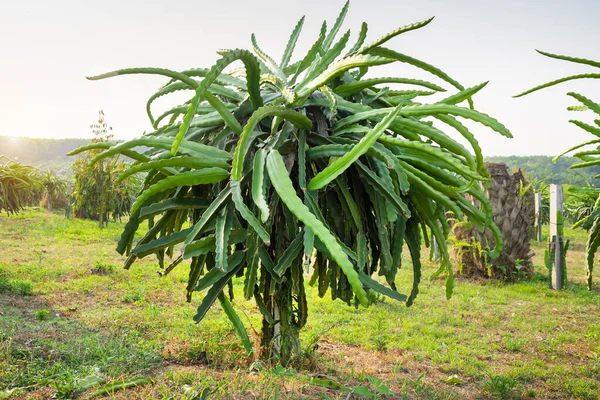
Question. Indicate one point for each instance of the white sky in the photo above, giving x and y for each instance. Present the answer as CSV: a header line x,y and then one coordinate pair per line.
x,y
48,47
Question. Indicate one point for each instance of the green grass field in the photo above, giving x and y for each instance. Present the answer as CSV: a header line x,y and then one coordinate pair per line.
x,y
70,315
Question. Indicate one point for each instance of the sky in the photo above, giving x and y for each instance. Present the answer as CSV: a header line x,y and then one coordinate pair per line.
x,y
48,48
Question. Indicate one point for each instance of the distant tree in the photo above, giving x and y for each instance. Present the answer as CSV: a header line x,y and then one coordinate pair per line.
x,y
55,189
97,194
18,184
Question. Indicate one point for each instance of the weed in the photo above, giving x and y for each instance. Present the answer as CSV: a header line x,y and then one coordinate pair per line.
x,y
499,386
42,314
103,268
380,339
521,270
281,371
41,254
513,344
133,296
22,288
65,388
417,388
5,286
530,393
378,389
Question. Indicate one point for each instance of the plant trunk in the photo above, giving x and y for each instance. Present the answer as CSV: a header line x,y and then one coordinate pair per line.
x,y
280,340
283,300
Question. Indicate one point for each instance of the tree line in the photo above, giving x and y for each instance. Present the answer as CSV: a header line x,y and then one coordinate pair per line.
x,y
541,168
52,154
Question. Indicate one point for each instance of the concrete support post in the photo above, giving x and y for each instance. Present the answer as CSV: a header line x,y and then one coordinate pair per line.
x,y
556,233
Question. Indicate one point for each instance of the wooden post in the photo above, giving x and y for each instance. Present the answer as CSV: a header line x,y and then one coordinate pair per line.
x,y
538,217
556,240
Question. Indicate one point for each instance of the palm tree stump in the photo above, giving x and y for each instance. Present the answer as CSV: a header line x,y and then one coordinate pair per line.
x,y
513,207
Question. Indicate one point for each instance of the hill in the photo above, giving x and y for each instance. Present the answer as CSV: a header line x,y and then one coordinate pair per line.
x,y
43,153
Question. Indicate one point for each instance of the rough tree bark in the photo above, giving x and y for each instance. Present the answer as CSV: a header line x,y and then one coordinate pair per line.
x,y
512,203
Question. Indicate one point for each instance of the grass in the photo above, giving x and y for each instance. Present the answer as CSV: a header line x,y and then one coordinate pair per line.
x,y
40,350
68,312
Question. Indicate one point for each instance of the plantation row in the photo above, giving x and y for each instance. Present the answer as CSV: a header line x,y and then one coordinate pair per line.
x,y
94,192
24,185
